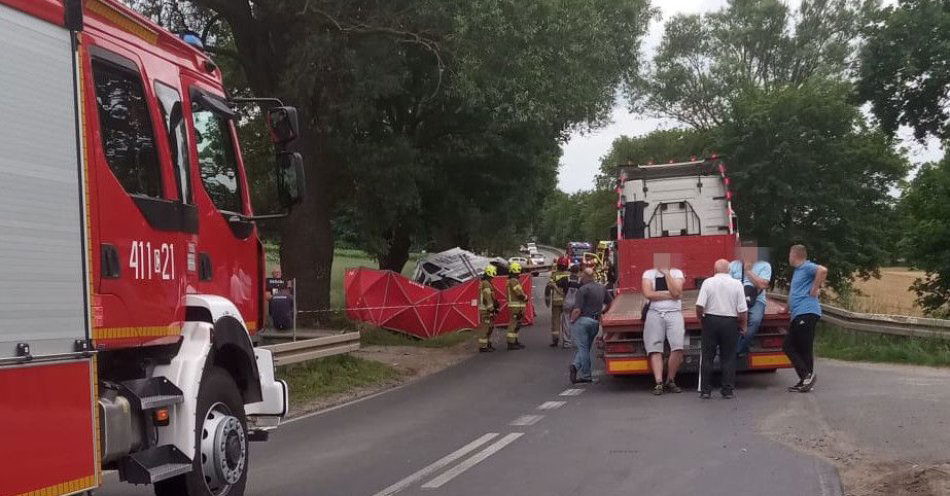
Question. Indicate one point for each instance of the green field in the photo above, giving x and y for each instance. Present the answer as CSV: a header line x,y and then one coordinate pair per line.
x,y
343,259
834,342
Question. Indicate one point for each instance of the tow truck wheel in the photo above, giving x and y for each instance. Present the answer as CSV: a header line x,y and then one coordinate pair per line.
x,y
220,464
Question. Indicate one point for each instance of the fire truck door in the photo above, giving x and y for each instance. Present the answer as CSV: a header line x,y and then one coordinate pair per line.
x,y
143,209
227,244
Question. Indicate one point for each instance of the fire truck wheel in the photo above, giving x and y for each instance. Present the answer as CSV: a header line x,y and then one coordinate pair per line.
x,y
220,464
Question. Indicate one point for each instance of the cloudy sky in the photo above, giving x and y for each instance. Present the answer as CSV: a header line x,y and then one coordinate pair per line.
x,y
582,152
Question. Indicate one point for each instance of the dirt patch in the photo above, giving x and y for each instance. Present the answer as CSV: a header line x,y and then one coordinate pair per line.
x,y
412,363
899,479
801,426
415,362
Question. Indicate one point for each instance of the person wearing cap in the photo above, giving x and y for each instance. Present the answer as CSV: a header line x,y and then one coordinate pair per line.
x,y
487,309
554,293
517,301
722,309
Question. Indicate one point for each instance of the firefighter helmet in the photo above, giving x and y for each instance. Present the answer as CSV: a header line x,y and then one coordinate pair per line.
x,y
491,271
514,268
562,263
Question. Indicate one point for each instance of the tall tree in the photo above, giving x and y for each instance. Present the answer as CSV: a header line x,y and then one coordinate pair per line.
x,y
705,62
807,168
926,242
905,67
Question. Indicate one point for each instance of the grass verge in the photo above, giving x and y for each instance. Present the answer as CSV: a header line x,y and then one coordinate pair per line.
x,y
374,336
834,342
317,379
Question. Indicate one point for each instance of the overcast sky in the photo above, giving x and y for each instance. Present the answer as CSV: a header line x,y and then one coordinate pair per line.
x,y
582,153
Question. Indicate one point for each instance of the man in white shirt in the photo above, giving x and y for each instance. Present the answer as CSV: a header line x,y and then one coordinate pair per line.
x,y
721,306
663,286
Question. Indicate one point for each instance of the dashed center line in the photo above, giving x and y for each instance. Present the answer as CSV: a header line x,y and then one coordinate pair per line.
x,y
571,392
551,405
527,420
471,462
438,464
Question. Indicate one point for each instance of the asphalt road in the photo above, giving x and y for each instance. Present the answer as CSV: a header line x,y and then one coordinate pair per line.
x,y
509,423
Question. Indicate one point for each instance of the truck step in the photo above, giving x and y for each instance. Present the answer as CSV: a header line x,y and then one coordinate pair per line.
x,y
152,392
154,464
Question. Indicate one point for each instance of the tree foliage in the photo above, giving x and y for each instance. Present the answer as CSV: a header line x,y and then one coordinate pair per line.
x,y
677,145
905,67
926,241
807,169
705,62
582,216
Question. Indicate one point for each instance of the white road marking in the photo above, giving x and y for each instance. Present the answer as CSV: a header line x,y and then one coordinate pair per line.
x,y
551,405
527,420
438,464
471,462
571,392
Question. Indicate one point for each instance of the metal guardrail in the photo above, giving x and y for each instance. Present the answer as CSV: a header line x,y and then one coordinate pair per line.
x,y
309,349
896,325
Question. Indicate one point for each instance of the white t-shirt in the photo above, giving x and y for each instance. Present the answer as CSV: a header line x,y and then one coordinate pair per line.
x,y
723,296
664,305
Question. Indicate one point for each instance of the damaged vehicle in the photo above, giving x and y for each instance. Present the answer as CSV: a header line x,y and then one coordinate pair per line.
x,y
451,267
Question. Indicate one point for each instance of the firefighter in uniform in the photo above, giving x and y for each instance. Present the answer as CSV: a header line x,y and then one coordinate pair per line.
x,y
487,309
517,300
555,292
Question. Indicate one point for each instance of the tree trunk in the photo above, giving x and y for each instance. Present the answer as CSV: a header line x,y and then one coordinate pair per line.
x,y
397,254
306,249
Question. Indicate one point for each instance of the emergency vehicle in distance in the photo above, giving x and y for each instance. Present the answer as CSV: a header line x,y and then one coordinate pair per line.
x,y
684,209
131,273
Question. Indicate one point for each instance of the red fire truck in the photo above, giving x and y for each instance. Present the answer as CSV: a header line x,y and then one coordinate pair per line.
x,y
683,209
131,272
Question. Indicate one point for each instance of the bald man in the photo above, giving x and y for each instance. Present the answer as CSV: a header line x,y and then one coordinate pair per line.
x,y
722,308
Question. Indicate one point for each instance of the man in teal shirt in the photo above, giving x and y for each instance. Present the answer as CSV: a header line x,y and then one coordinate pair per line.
x,y
756,274
805,310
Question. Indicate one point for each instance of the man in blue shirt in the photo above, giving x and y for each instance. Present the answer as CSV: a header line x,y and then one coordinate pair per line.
x,y
805,310
755,275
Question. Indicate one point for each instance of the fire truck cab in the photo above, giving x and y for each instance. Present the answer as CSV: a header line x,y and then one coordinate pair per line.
x,y
131,272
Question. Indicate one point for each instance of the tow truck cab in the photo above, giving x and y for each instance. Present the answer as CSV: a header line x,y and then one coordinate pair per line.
x,y
131,265
684,209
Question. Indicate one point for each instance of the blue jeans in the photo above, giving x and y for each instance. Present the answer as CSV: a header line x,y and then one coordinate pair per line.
x,y
583,330
756,313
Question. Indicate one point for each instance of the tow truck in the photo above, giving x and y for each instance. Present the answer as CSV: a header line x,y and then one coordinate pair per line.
x,y
132,272
683,209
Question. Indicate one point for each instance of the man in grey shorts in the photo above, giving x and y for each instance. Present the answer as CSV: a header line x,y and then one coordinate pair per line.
x,y
663,286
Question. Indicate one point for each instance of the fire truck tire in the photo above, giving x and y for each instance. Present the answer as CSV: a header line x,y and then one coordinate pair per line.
x,y
221,454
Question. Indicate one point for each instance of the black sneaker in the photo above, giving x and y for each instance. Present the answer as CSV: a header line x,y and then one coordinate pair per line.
x,y
573,374
808,383
554,343
705,395
727,394
797,388
658,389
671,387
486,349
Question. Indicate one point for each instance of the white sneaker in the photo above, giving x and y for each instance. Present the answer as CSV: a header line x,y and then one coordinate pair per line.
x,y
808,383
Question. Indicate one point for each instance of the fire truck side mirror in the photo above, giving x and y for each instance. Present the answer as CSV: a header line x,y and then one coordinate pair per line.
x,y
283,124
291,184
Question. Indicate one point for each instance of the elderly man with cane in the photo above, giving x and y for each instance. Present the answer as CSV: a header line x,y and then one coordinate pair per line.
x,y
721,306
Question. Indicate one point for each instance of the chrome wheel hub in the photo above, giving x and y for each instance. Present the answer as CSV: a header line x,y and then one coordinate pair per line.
x,y
223,449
